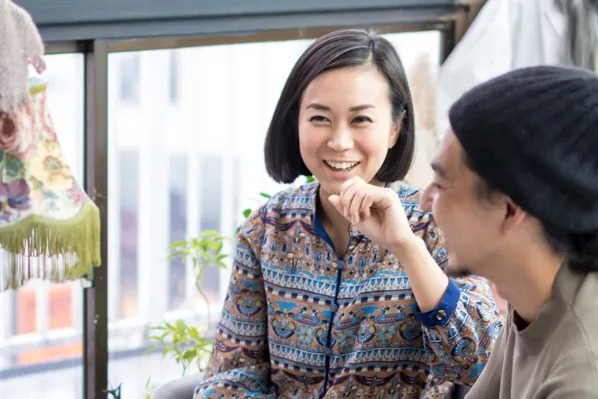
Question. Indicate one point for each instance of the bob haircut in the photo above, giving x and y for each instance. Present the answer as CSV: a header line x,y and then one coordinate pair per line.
x,y
339,49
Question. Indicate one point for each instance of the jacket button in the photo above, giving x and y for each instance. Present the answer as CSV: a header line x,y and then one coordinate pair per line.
x,y
440,315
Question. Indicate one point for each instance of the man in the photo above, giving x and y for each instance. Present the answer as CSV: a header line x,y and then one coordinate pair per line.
x,y
515,192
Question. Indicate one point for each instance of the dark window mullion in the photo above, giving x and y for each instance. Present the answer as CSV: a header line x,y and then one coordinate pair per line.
x,y
95,305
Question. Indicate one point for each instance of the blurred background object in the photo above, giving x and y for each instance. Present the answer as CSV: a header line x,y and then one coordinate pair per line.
x,y
509,34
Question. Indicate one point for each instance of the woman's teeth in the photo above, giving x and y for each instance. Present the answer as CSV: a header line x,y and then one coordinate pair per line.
x,y
341,165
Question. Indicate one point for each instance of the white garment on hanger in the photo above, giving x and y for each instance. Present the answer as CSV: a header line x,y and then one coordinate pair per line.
x,y
506,34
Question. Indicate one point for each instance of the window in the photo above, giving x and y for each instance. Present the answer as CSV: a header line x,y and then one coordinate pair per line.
x,y
192,163
185,141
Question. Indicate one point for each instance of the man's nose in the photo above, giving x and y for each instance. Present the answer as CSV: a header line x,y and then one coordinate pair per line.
x,y
426,199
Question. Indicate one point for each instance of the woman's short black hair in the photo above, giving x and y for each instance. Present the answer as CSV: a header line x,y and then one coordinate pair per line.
x,y
344,48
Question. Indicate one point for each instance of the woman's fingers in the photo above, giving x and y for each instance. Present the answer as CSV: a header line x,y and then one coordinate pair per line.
x,y
357,198
366,206
355,209
347,192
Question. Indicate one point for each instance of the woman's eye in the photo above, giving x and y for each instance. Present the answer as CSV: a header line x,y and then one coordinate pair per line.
x,y
318,118
437,186
362,119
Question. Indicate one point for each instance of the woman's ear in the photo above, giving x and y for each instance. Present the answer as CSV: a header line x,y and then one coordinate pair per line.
x,y
394,134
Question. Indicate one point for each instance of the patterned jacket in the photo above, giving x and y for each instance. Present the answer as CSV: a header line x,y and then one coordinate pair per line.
x,y
300,322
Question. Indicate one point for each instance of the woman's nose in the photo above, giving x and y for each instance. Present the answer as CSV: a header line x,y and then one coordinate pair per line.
x,y
341,139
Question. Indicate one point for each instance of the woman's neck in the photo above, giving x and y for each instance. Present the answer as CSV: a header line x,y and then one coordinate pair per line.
x,y
335,224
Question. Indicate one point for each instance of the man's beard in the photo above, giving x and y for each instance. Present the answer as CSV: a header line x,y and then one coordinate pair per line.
x,y
458,272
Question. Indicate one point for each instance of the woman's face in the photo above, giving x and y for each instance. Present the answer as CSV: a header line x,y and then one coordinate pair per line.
x,y
346,125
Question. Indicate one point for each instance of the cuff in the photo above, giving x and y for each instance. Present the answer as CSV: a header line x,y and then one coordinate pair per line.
x,y
440,315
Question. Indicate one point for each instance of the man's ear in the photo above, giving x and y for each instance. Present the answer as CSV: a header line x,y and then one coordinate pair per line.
x,y
514,215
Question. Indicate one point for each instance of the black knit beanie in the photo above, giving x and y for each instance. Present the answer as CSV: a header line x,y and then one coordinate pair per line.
x,y
533,133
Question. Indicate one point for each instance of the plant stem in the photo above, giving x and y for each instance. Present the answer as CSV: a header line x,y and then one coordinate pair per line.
x,y
205,298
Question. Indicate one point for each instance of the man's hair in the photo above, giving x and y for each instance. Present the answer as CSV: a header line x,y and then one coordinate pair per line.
x,y
580,249
345,48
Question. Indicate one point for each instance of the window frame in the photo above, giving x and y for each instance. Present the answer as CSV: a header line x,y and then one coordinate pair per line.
x,y
116,19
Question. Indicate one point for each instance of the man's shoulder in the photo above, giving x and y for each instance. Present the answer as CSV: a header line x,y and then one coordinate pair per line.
x,y
576,338
584,309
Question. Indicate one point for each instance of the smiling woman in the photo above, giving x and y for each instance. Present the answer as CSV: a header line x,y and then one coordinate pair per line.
x,y
390,98
345,119
331,308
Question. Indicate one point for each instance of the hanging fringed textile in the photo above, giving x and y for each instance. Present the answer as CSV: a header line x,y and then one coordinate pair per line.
x,y
49,227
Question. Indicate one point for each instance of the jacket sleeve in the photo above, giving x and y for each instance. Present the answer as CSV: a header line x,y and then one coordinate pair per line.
x,y
239,365
461,331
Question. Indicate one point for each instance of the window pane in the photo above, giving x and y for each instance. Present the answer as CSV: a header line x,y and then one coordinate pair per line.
x,y
129,176
186,155
41,323
141,219
178,229
210,219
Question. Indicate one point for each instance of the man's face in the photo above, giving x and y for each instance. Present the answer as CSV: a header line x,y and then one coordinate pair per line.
x,y
471,225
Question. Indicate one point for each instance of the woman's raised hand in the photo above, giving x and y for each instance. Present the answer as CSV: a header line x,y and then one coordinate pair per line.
x,y
376,211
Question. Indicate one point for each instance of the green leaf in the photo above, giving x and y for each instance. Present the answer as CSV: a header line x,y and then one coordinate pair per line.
x,y
181,326
158,327
213,244
190,354
210,233
247,212
194,334
159,338
266,195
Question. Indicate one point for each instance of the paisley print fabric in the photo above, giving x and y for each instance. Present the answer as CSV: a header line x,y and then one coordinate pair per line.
x,y
300,322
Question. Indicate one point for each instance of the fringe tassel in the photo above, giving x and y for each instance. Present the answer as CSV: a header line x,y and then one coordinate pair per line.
x,y
54,250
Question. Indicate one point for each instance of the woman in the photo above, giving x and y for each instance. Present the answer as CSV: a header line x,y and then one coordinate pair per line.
x,y
319,307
